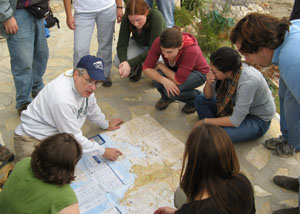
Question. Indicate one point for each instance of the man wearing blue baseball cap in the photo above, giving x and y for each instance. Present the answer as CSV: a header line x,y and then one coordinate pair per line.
x,y
63,106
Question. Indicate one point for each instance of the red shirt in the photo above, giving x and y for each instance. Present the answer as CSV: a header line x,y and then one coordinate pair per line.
x,y
189,58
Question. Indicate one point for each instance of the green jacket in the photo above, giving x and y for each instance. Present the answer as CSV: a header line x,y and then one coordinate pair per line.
x,y
151,30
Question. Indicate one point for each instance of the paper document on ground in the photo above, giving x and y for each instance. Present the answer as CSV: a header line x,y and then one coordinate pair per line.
x,y
142,179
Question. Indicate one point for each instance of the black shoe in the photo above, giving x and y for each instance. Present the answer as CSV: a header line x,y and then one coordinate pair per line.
x,y
136,73
163,104
287,182
107,82
188,109
272,143
22,108
294,210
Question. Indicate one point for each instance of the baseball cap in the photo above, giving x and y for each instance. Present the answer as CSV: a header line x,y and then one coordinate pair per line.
x,y
93,65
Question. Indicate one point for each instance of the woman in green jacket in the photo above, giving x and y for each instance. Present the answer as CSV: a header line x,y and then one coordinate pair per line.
x,y
145,26
40,184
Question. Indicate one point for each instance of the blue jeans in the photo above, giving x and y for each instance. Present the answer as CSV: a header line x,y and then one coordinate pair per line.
x,y
166,7
28,51
250,129
289,116
187,89
85,23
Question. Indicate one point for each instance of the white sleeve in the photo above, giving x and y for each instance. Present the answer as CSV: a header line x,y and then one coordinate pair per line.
x,y
95,115
64,117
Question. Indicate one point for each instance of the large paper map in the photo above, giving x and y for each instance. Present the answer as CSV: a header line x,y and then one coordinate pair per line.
x,y
141,180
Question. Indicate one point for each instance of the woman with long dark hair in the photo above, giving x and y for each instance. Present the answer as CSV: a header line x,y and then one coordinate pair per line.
x,y
210,180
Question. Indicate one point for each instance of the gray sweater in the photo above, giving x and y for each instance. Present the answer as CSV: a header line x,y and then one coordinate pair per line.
x,y
253,96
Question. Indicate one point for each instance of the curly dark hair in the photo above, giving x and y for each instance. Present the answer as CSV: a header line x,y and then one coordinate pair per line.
x,y
256,31
54,160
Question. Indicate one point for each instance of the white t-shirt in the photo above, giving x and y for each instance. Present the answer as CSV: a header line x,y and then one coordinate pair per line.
x,y
59,108
88,6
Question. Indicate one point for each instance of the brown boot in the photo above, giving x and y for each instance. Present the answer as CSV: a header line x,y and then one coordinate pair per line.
x,y
188,109
163,104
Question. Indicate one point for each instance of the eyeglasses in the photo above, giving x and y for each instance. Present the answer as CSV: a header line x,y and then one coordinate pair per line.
x,y
91,82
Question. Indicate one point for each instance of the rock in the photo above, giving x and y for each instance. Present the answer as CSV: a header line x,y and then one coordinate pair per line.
x,y
282,171
258,156
260,192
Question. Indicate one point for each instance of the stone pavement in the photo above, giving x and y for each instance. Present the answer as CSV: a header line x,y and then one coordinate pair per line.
x,y
128,100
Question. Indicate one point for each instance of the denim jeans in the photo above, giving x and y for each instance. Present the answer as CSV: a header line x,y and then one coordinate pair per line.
x,y
133,50
187,89
166,7
250,129
85,23
289,116
28,51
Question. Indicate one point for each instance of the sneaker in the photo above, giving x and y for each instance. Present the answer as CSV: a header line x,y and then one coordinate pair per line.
x,y
22,108
163,104
107,82
273,143
285,150
188,109
287,182
294,210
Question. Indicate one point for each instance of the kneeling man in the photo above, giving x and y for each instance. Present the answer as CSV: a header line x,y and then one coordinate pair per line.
x,y
63,106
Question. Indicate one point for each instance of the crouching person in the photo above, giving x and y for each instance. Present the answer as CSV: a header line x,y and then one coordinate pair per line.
x,y
236,97
183,70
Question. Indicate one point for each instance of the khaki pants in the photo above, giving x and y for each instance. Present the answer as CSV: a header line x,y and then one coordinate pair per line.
x,y
24,146
179,198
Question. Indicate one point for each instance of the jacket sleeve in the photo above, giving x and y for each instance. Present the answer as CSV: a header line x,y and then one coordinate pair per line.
x,y
244,98
123,39
6,10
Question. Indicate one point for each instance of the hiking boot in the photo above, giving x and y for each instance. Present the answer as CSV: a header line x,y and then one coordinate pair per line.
x,y
273,143
163,104
294,210
285,150
107,82
5,154
136,73
188,109
22,108
287,182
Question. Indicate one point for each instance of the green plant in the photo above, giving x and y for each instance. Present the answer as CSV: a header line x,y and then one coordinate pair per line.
x,y
210,27
182,17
